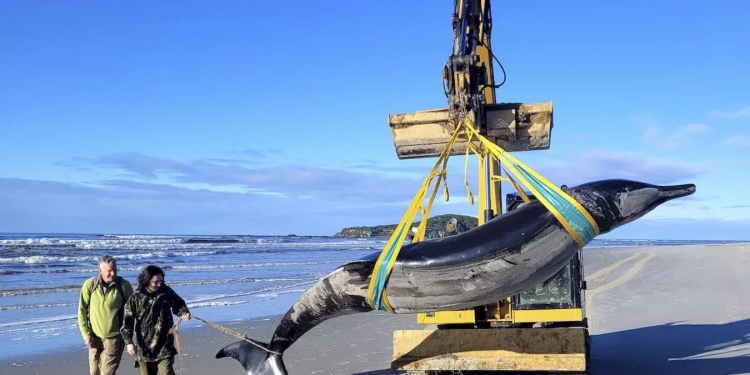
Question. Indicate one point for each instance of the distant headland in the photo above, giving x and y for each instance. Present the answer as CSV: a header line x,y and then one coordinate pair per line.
x,y
435,227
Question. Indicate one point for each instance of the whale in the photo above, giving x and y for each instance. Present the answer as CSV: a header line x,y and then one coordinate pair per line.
x,y
505,256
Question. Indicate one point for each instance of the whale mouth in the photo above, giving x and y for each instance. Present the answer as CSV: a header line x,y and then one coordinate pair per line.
x,y
676,191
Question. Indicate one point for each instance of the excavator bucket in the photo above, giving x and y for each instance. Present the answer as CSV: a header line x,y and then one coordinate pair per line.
x,y
512,126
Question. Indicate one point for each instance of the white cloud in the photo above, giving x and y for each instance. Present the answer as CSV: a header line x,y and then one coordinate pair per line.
x,y
605,164
163,195
737,141
656,136
27,205
736,114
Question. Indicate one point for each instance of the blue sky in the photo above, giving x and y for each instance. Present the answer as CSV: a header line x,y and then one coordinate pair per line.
x,y
247,117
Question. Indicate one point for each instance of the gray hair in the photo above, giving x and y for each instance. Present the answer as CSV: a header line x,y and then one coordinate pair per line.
x,y
107,259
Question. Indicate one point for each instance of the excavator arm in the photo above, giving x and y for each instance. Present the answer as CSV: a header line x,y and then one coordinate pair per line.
x,y
468,79
469,85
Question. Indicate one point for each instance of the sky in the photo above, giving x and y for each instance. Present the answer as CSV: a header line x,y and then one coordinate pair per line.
x,y
251,117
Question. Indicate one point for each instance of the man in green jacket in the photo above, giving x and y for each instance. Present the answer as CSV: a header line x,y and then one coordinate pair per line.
x,y
100,315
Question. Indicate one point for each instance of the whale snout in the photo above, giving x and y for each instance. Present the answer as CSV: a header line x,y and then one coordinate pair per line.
x,y
676,191
618,202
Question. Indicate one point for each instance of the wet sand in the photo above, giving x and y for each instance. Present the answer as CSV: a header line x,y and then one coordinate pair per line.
x,y
653,310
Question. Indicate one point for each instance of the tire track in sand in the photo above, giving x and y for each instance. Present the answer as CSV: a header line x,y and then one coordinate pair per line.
x,y
632,272
629,275
604,272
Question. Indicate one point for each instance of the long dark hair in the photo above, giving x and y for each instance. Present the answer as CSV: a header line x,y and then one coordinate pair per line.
x,y
145,277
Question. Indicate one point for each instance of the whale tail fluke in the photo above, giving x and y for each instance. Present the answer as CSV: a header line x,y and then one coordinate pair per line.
x,y
254,359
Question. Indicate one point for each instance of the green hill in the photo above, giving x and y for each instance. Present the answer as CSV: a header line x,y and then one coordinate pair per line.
x,y
435,227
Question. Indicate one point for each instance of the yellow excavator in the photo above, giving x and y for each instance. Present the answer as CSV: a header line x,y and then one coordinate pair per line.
x,y
542,329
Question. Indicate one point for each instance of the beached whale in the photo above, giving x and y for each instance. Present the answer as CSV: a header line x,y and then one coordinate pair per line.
x,y
507,255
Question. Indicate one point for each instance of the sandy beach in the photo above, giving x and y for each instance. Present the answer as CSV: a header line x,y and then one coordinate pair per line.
x,y
653,310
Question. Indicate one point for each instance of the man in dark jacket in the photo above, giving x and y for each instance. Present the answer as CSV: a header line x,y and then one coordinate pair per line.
x,y
148,313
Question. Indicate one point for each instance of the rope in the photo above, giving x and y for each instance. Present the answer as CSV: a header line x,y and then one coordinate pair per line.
x,y
178,343
175,329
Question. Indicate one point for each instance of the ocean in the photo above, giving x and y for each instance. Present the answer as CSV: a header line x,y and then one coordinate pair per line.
x,y
222,278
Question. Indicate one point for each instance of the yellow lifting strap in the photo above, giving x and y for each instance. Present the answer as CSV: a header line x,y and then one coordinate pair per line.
x,y
574,218
377,295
